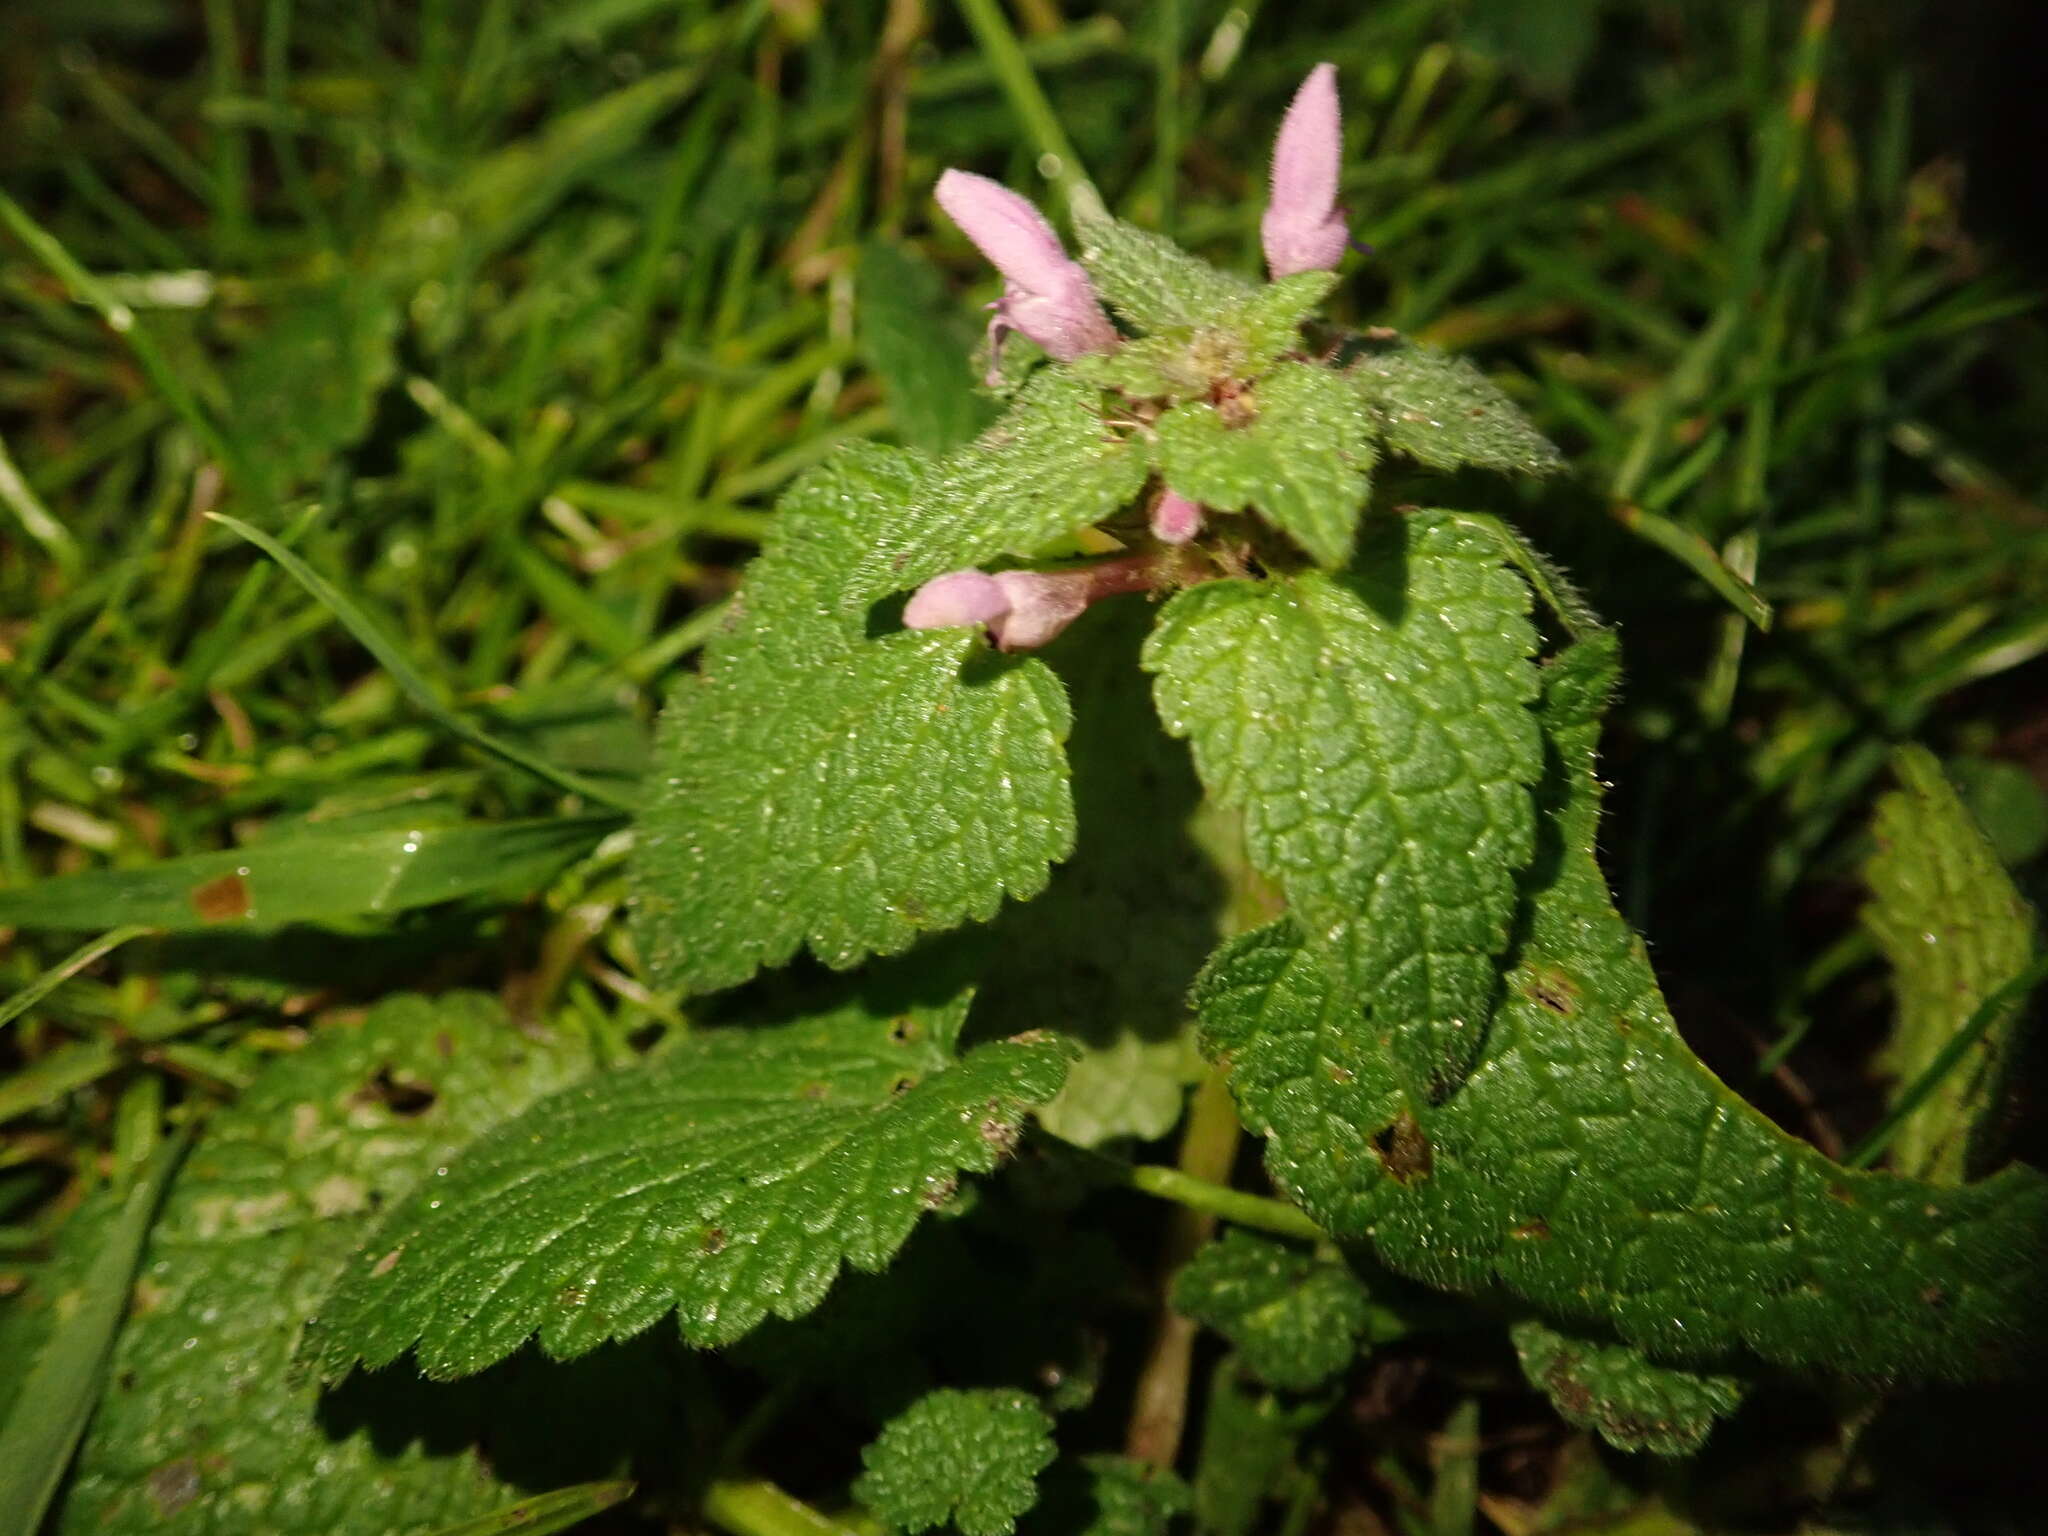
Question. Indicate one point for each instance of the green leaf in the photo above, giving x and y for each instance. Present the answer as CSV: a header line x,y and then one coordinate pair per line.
x,y
1443,412
914,340
310,875
1592,1165
728,1182
305,388
1046,468
815,786
1131,916
1109,1496
1152,282
1295,448
1248,1440
1634,1403
1947,916
545,1513
57,1395
207,1425
1240,342
968,1458
1376,729
1295,1319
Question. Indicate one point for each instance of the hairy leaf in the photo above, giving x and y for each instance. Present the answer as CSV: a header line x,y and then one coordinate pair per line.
x,y
1634,1403
1376,729
970,1459
207,1426
1443,412
1152,282
1046,468
1295,449
728,1182
815,786
1955,930
1240,342
1296,1320
1593,1166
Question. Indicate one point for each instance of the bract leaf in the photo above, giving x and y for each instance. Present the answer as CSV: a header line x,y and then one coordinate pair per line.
x,y
1296,449
1441,411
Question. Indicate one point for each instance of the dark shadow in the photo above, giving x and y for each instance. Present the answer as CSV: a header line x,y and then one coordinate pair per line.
x,y
1112,945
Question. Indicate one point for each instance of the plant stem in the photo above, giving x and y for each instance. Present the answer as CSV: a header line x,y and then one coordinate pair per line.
x,y
1207,1149
751,1507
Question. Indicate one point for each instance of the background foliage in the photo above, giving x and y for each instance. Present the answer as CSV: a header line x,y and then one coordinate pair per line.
x,y
511,319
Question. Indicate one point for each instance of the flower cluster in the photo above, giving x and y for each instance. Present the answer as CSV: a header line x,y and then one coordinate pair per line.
x,y
1048,297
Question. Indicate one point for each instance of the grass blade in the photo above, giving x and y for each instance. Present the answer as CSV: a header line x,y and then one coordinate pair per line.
x,y
546,1512
65,969
308,876
417,688
51,1410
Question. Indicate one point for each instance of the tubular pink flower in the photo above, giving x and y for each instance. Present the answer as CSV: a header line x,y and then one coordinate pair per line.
x,y
956,599
1046,294
1042,603
1303,230
1175,519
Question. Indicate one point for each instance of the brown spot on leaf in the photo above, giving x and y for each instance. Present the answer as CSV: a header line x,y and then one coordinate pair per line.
x,y
1404,1150
1548,987
173,1485
902,1031
222,900
713,1240
1538,1228
403,1096
1934,1296
1340,1074
385,1265
902,1085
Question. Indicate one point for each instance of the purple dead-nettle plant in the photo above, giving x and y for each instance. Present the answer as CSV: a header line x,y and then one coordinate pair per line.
x,y
1303,228
1046,294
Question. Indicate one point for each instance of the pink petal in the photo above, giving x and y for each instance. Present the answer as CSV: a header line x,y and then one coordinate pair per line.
x,y
1175,519
1302,231
1006,227
956,599
1041,604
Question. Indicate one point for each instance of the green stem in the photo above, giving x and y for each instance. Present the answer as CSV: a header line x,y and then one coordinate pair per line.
x,y
1234,1205
756,1508
1057,161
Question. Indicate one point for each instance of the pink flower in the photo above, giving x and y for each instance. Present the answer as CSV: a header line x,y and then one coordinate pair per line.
x,y
1303,229
956,599
1023,609
1175,519
1046,294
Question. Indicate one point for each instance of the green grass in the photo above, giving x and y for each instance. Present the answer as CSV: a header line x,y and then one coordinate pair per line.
x,y
501,325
